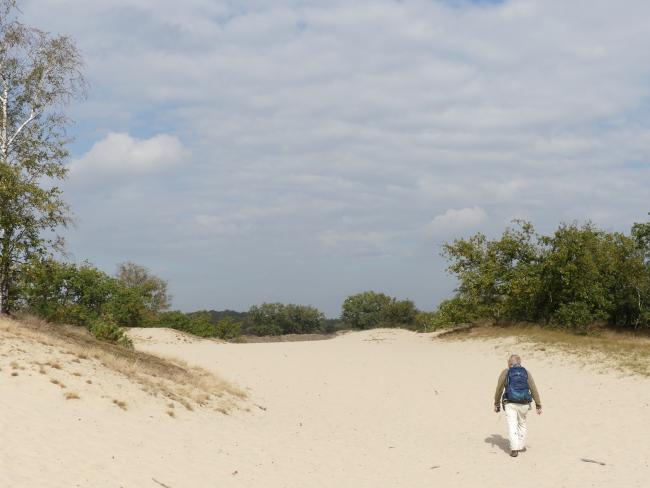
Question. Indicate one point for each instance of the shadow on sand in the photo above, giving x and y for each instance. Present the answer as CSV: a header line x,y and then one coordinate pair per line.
x,y
498,441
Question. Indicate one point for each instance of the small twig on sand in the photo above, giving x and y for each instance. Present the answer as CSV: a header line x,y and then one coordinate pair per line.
x,y
161,484
585,460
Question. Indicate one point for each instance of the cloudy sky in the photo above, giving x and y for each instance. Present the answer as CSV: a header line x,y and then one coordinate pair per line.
x,y
300,151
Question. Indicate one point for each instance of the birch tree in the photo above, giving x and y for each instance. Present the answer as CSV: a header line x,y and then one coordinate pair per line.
x,y
39,74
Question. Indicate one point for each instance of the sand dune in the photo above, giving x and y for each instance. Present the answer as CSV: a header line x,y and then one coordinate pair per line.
x,y
382,408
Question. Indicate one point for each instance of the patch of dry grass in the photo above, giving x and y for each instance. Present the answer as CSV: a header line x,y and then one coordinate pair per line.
x,y
624,351
120,404
173,379
71,395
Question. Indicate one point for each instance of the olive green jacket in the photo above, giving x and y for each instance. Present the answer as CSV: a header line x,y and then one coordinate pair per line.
x,y
501,384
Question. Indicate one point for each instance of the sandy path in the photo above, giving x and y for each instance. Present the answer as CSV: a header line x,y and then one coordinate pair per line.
x,y
373,409
393,408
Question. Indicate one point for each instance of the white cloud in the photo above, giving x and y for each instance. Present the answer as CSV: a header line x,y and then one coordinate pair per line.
x,y
119,154
458,220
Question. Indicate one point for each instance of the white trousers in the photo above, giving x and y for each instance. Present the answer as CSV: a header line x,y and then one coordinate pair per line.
x,y
516,419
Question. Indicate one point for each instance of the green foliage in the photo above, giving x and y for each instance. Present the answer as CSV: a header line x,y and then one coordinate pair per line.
x,y
78,294
200,324
152,290
400,312
370,309
227,329
65,292
573,278
39,74
127,307
426,322
106,329
278,318
365,310
576,316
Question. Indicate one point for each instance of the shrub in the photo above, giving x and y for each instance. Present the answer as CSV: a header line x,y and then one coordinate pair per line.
x,y
200,325
227,329
426,322
575,316
400,313
365,310
277,319
106,329
370,309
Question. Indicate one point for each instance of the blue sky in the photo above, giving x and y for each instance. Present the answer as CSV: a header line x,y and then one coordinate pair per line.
x,y
302,151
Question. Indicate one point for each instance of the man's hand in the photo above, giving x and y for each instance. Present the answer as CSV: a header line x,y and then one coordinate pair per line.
x,y
539,410
497,408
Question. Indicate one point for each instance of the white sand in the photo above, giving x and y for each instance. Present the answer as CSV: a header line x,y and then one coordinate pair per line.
x,y
384,408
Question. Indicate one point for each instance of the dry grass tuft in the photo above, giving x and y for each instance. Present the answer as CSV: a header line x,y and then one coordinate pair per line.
x,y
57,382
171,413
71,395
120,404
623,351
14,374
175,380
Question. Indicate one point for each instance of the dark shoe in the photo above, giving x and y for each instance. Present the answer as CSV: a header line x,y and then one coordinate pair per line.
x,y
514,453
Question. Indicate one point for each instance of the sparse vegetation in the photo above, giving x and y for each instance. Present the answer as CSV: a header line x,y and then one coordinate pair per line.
x,y
71,395
173,380
106,329
120,404
610,349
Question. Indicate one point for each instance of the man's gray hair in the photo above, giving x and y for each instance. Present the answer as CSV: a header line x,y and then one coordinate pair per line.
x,y
514,360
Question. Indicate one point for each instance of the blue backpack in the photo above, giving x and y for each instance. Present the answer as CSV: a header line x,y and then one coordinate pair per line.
x,y
517,389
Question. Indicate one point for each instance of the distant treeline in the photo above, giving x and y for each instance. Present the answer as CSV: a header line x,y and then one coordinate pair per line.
x,y
575,278
84,295
361,311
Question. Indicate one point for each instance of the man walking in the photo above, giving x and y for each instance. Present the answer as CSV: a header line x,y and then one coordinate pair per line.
x,y
515,390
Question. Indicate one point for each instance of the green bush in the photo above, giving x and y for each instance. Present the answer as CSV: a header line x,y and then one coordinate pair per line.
x,y
365,310
575,316
370,309
426,322
106,329
575,277
79,294
227,329
400,313
278,319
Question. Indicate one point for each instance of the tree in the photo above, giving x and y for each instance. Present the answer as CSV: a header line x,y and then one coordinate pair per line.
x,y
152,289
65,292
574,278
365,310
39,74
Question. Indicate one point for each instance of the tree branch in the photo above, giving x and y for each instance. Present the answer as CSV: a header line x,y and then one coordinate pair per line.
x,y
31,117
